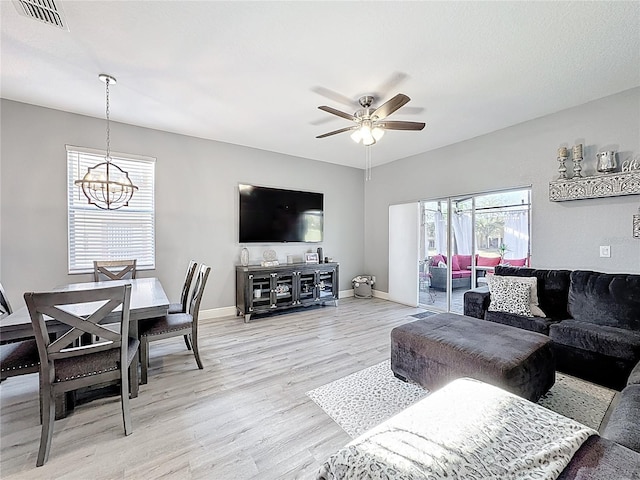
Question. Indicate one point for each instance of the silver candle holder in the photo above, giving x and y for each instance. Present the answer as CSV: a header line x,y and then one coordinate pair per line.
x,y
577,161
563,154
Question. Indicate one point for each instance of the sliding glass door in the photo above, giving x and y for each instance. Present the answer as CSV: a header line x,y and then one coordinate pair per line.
x,y
463,238
434,241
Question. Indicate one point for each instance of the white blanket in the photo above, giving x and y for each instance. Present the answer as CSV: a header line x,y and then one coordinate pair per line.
x,y
468,430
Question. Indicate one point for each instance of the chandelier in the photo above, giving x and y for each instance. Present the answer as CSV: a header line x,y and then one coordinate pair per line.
x,y
106,185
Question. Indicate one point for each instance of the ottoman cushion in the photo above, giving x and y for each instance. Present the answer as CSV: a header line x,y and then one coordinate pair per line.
x,y
434,351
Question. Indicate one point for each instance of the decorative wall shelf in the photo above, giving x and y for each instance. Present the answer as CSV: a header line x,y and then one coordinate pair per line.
x,y
597,186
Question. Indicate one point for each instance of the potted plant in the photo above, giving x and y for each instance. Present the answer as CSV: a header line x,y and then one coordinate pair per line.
x,y
502,249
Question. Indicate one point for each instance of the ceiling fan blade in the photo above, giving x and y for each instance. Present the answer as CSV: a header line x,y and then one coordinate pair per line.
x,y
390,84
390,106
335,96
402,125
337,131
348,116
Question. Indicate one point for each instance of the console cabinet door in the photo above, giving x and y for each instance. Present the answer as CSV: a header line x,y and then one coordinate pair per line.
x,y
258,292
282,294
307,287
326,284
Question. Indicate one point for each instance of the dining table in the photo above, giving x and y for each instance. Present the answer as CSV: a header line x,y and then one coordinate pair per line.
x,y
148,300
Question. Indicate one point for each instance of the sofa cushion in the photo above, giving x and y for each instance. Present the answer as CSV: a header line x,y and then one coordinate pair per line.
x,y
601,459
611,341
510,296
533,324
605,299
487,261
454,263
553,288
623,425
464,261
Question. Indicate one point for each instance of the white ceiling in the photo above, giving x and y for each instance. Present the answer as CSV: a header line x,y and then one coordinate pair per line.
x,y
250,73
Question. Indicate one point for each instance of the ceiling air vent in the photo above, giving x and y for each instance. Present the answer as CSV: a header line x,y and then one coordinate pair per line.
x,y
45,11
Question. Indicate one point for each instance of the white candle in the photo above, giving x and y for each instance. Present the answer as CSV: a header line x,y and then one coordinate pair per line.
x,y
577,151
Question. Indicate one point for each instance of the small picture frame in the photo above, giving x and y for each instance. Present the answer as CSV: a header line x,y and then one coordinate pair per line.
x,y
310,258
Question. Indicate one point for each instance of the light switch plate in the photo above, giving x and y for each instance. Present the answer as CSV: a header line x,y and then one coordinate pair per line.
x,y
605,251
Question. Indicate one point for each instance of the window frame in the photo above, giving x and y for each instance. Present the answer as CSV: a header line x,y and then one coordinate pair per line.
x,y
140,214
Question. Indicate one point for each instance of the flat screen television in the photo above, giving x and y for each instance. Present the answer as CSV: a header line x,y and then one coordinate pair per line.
x,y
273,215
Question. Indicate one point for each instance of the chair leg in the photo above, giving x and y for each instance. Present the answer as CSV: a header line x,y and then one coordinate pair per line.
x,y
144,359
194,343
134,381
48,417
124,396
186,341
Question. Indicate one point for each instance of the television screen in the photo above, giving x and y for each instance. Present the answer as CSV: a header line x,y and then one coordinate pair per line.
x,y
273,215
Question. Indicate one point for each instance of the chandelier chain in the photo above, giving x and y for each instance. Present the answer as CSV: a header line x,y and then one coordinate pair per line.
x,y
108,126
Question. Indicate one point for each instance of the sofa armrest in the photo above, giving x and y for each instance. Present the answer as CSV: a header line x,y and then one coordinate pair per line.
x,y
438,277
621,423
476,302
634,377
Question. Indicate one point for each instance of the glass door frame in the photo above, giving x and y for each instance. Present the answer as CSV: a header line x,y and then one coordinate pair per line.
x,y
450,203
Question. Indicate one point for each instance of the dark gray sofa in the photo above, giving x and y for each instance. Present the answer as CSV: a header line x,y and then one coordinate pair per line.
x,y
592,318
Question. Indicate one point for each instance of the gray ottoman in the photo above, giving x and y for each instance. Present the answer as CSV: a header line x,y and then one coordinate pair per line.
x,y
434,351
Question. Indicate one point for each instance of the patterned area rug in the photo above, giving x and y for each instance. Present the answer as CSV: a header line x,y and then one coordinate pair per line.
x,y
366,398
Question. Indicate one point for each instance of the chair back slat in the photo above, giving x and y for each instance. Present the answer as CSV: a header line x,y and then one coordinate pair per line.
x,y
186,287
198,290
104,302
114,269
5,307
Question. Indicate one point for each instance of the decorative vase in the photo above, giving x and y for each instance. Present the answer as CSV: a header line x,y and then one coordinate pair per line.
x,y
607,162
244,257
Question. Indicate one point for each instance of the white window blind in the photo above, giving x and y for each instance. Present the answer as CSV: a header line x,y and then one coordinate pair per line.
x,y
96,234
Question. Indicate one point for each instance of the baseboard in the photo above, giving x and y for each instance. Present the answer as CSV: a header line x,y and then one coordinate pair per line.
x,y
216,313
379,294
345,293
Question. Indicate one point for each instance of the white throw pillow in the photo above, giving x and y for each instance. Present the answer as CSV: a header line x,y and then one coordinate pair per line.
x,y
509,296
441,264
533,281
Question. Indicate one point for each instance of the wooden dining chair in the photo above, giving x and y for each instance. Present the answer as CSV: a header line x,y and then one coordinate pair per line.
x,y
18,357
64,366
113,269
174,324
184,297
186,287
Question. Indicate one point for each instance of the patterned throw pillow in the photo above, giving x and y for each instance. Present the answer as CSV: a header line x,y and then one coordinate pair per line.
x,y
509,296
533,281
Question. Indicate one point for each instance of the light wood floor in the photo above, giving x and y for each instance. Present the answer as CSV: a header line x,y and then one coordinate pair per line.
x,y
245,416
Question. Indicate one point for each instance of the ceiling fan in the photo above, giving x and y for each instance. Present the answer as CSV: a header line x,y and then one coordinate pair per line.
x,y
370,122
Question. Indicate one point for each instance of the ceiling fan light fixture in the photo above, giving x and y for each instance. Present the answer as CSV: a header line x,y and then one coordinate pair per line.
x,y
367,135
356,136
377,133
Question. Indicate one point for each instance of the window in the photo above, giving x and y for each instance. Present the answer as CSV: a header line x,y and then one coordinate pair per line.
x,y
96,234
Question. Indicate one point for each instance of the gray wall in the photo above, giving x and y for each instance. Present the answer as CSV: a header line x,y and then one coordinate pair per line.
x,y
196,201
564,234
